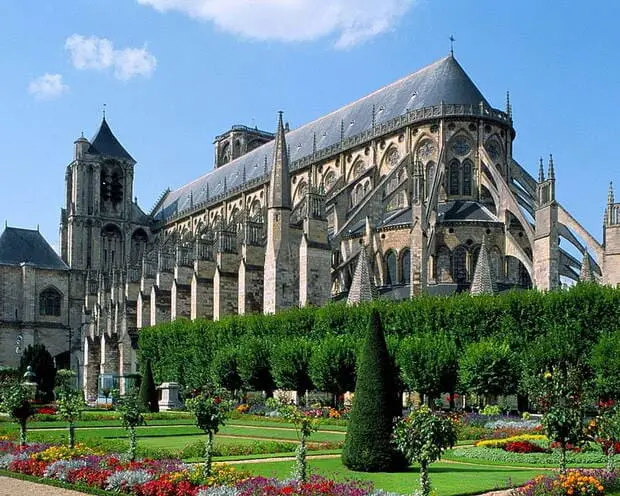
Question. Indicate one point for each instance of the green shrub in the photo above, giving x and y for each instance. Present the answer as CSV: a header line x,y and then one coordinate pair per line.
x,y
368,446
148,392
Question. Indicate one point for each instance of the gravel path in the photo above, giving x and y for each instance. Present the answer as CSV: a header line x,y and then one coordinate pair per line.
x,y
16,487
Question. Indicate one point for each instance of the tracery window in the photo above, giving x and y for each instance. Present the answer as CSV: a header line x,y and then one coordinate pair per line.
x,y
430,177
405,267
459,263
442,265
50,302
467,167
454,186
390,268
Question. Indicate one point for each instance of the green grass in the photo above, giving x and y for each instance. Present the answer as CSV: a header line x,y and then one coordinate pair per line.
x,y
448,479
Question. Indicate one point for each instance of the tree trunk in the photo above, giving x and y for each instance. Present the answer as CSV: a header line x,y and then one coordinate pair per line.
x,y
301,472
71,435
425,483
563,457
132,444
22,432
208,454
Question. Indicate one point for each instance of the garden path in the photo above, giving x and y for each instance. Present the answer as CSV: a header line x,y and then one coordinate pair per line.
x,y
13,487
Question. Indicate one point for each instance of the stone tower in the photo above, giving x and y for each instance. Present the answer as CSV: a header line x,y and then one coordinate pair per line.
x,y
546,237
99,188
281,288
611,230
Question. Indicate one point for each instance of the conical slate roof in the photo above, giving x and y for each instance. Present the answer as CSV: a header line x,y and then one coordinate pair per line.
x,y
442,81
362,286
483,281
586,274
105,143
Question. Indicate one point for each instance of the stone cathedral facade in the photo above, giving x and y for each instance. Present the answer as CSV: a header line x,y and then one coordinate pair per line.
x,y
420,174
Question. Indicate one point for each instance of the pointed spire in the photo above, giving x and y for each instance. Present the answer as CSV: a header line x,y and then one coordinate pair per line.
x,y
508,105
586,274
280,183
610,194
551,172
363,287
483,281
541,171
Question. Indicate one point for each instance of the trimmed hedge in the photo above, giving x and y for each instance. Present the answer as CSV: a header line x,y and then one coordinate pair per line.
x,y
182,350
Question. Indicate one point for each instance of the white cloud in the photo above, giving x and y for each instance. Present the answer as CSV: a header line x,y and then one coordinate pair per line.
x,y
351,21
48,87
99,54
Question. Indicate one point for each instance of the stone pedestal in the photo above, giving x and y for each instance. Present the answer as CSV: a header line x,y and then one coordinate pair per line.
x,y
169,396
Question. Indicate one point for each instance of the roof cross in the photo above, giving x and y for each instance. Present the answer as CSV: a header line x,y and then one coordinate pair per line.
x,y
452,40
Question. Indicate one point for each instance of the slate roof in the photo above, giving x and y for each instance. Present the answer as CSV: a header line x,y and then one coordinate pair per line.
x,y
464,210
105,143
19,246
444,80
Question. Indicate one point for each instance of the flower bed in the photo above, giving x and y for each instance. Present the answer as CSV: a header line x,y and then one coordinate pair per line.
x,y
551,459
572,483
84,467
500,443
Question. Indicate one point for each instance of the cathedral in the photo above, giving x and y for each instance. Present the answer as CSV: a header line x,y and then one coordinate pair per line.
x,y
418,176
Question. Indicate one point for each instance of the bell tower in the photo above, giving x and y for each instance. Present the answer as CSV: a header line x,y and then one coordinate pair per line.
x,y
98,203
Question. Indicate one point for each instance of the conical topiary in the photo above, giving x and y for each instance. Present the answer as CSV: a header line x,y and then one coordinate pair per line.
x,y
148,392
368,446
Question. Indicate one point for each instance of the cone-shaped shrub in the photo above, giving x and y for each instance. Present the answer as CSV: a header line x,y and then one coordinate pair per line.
x,y
368,446
148,392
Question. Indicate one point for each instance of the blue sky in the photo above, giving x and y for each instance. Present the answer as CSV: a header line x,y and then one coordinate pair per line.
x,y
175,73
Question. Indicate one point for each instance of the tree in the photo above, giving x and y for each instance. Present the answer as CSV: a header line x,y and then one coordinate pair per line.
x,y
605,362
225,370
69,400
488,368
332,365
15,400
42,365
429,364
130,414
607,430
254,365
367,445
148,392
422,437
305,425
290,363
211,411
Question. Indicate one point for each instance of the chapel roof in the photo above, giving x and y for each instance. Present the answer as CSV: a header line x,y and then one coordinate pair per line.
x,y
19,246
442,81
105,143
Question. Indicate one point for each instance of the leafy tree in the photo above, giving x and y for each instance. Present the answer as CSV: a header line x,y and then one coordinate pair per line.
x,y
563,403
225,369
368,446
607,431
148,392
211,411
290,363
429,364
332,365
305,425
488,368
130,414
42,365
605,362
254,365
15,400
422,437
70,401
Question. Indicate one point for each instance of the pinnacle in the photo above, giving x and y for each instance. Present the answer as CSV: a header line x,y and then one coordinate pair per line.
x,y
280,184
363,288
586,274
483,281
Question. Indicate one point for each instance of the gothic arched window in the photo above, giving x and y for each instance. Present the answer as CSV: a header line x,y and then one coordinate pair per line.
x,y
454,186
405,267
467,173
459,265
474,260
138,245
430,177
390,268
49,302
495,260
442,265
111,247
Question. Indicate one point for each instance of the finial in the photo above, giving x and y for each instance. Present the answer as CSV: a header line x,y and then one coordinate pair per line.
x,y
82,135
452,40
104,109
314,142
610,195
551,172
374,116
541,171
341,129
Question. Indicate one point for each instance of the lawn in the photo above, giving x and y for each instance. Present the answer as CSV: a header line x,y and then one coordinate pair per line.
x,y
448,478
